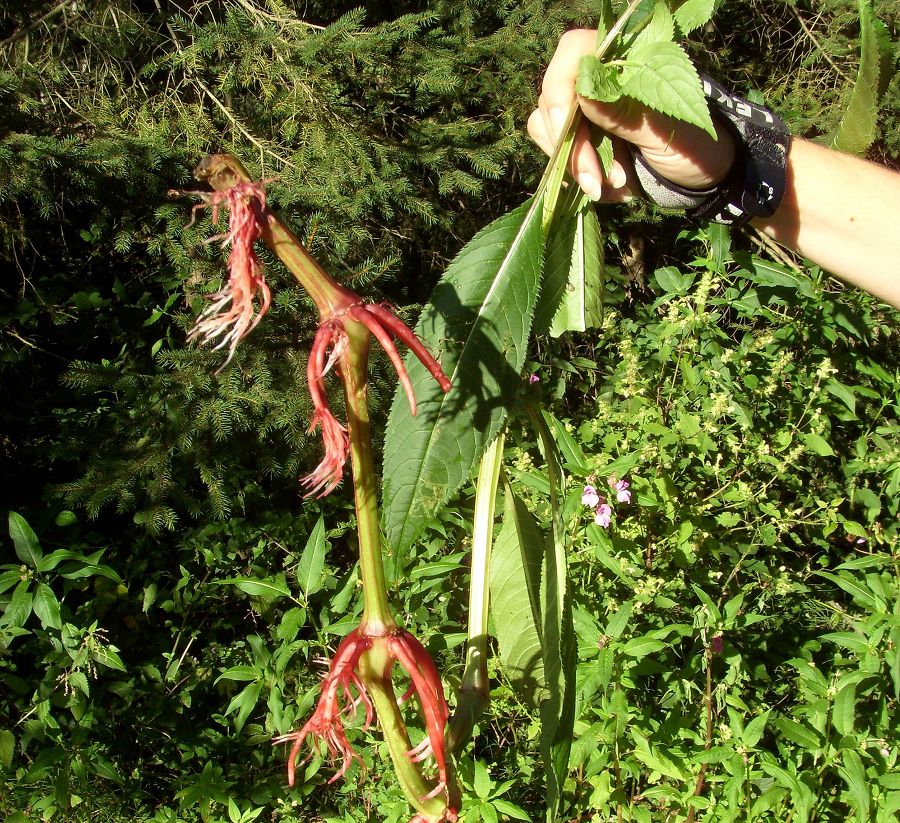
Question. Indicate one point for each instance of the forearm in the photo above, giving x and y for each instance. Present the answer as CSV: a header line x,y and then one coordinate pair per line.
x,y
844,214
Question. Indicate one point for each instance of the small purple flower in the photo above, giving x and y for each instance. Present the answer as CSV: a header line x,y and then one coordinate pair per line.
x,y
533,378
621,487
590,497
603,514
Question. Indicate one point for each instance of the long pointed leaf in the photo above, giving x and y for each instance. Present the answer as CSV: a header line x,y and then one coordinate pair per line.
x,y
560,649
478,324
516,598
858,125
581,307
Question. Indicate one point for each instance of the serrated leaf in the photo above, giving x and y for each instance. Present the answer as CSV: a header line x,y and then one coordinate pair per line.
x,y
662,76
7,747
312,561
46,607
659,29
478,324
858,126
109,657
582,303
605,153
557,259
79,681
692,14
25,540
515,597
598,80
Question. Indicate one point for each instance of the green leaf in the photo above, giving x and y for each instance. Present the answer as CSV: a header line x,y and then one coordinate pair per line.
x,y
79,681
18,610
858,126
244,702
558,634
660,75
46,607
798,733
570,450
239,673
659,29
854,774
7,747
642,646
598,80
754,729
510,809
582,302
692,14
312,561
515,582
653,757
557,259
818,444
843,710
842,393
477,324
270,587
619,620
25,540
859,593
108,656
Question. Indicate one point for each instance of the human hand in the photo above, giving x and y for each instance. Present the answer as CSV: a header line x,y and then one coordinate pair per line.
x,y
679,152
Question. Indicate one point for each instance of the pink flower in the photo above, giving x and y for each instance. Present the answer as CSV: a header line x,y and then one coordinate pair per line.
x,y
231,316
533,378
621,489
590,497
603,514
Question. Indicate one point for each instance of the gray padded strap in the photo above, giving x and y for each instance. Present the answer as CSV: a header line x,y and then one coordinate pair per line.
x,y
663,192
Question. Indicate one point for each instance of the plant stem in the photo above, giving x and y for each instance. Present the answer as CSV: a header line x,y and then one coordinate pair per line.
x,y
376,611
473,692
374,668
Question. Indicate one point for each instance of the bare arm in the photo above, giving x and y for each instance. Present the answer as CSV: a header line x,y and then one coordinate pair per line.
x,y
844,214
839,211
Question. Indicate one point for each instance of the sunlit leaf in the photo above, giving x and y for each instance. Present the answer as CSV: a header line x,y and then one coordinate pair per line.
x,y
478,324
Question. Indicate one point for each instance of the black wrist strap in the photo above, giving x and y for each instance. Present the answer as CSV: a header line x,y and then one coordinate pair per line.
x,y
755,184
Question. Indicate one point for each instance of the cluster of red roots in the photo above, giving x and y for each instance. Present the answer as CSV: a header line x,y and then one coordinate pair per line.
x,y
231,315
343,692
328,346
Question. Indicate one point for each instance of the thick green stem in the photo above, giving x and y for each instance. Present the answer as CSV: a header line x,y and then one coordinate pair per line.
x,y
473,694
375,670
377,616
